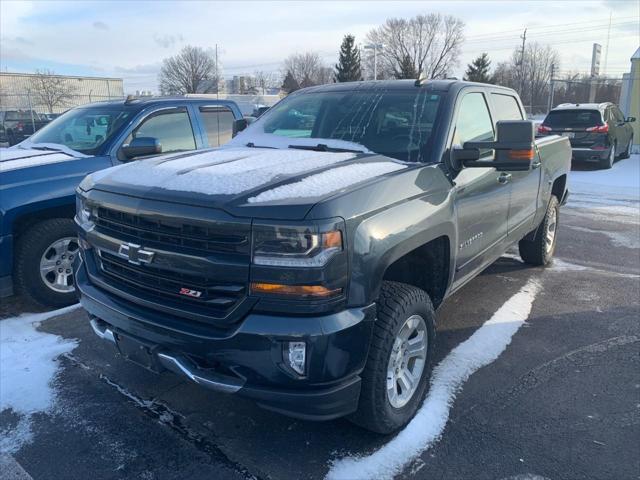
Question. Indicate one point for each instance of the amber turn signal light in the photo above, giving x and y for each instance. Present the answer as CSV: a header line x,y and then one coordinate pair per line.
x,y
302,291
521,154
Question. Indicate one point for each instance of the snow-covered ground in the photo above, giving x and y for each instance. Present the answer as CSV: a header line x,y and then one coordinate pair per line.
x,y
620,183
28,360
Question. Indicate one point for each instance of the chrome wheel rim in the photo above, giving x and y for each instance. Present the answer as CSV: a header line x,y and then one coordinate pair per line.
x,y
407,361
56,265
550,235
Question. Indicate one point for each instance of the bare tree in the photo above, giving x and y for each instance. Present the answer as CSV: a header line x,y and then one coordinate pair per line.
x,y
529,75
52,90
307,69
193,70
265,80
431,42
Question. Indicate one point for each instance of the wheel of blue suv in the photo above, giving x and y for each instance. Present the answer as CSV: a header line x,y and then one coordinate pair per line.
x,y
540,250
43,264
395,378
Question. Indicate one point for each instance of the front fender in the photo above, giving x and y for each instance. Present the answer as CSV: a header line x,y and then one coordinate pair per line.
x,y
382,239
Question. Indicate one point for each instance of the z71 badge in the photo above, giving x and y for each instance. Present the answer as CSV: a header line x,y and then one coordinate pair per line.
x,y
190,293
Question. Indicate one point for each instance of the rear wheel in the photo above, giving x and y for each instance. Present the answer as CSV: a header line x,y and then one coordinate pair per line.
x,y
396,375
540,250
611,158
43,265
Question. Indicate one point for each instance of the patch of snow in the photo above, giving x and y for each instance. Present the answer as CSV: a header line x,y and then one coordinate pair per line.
x,y
627,239
28,365
327,182
483,347
14,159
224,171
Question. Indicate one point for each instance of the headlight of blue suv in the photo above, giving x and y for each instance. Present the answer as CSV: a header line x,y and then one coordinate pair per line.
x,y
293,246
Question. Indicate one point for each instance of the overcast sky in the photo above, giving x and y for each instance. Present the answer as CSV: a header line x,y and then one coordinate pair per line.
x,y
130,39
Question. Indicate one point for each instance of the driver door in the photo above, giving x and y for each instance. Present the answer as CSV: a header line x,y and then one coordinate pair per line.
x,y
481,194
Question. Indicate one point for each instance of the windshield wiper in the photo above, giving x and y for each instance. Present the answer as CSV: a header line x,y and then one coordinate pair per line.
x,y
35,147
321,147
253,145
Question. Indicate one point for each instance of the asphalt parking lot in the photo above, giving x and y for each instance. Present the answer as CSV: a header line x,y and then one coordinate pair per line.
x,y
561,402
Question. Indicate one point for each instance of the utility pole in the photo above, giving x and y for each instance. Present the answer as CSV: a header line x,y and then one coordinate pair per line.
x,y
217,77
524,39
374,47
606,48
551,88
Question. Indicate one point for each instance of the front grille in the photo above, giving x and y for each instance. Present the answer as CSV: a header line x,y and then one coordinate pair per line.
x,y
216,298
162,232
200,266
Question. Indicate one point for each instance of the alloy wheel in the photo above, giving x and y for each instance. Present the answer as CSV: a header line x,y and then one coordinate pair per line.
x,y
56,265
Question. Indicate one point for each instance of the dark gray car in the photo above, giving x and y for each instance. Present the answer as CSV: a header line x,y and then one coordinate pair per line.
x,y
598,132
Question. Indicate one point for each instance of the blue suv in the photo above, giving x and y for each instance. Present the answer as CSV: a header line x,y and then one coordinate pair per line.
x,y
38,178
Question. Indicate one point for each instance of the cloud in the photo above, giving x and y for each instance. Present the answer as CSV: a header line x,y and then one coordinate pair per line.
x,y
166,40
100,25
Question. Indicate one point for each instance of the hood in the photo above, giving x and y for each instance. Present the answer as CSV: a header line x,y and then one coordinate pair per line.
x,y
17,158
256,182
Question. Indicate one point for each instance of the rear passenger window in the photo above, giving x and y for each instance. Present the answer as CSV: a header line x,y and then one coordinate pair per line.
x,y
506,107
218,124
474,122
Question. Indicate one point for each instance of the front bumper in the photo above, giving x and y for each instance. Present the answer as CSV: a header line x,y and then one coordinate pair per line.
x,y
589,155
247,360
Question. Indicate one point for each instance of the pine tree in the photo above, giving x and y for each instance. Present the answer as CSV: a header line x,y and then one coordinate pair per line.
x,y
406,69
348,68
478,70
290,84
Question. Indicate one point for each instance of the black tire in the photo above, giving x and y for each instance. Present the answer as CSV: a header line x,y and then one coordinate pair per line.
x,y
31,246
627,152
396,303
535,252
610,160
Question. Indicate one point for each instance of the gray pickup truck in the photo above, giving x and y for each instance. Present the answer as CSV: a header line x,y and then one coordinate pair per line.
x,y
301,264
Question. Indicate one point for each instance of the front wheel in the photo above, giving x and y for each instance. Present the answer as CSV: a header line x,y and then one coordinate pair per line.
x,y
395,378
540,250
43,266
627,152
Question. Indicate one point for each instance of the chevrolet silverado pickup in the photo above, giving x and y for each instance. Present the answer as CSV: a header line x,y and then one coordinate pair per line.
x,y
300,265
39,176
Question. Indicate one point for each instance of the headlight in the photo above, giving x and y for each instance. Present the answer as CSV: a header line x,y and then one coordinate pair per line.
x,y
291,246
84,214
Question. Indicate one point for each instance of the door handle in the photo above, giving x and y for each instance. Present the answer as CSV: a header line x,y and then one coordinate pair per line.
x,y
535,165
504,178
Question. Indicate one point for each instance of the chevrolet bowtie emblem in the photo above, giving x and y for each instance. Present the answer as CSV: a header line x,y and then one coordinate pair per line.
x,y
135,254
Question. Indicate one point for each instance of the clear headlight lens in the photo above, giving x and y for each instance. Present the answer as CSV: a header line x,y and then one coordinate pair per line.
x,y
83,213
287,246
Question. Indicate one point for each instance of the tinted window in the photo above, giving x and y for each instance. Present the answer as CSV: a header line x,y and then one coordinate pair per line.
x,y
474,122
573,118
218,123
172,129
617,114
84,129
394,123
506,107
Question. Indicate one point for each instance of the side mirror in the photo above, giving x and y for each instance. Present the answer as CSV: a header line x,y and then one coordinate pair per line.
x,y
240,124
141,147
514,147
630,119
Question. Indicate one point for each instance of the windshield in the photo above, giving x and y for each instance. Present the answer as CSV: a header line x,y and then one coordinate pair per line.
x,y
573,118
83,129
396,124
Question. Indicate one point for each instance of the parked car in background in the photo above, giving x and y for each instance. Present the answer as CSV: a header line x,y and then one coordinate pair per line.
x,y
38,178
598,132
300,265
17,125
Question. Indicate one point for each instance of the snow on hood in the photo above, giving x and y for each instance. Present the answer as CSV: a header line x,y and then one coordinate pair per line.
x,y
17,158
225,171
327,182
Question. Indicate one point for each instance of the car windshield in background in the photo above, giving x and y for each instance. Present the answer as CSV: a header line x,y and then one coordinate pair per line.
x,y
573,118
83,129
396,124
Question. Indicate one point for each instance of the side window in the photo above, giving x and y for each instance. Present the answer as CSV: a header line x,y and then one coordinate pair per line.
x,y
218,124
474,122
506,107
617,114
172,129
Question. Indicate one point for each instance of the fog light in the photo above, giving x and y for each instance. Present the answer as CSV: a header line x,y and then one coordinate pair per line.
x,y
297,356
